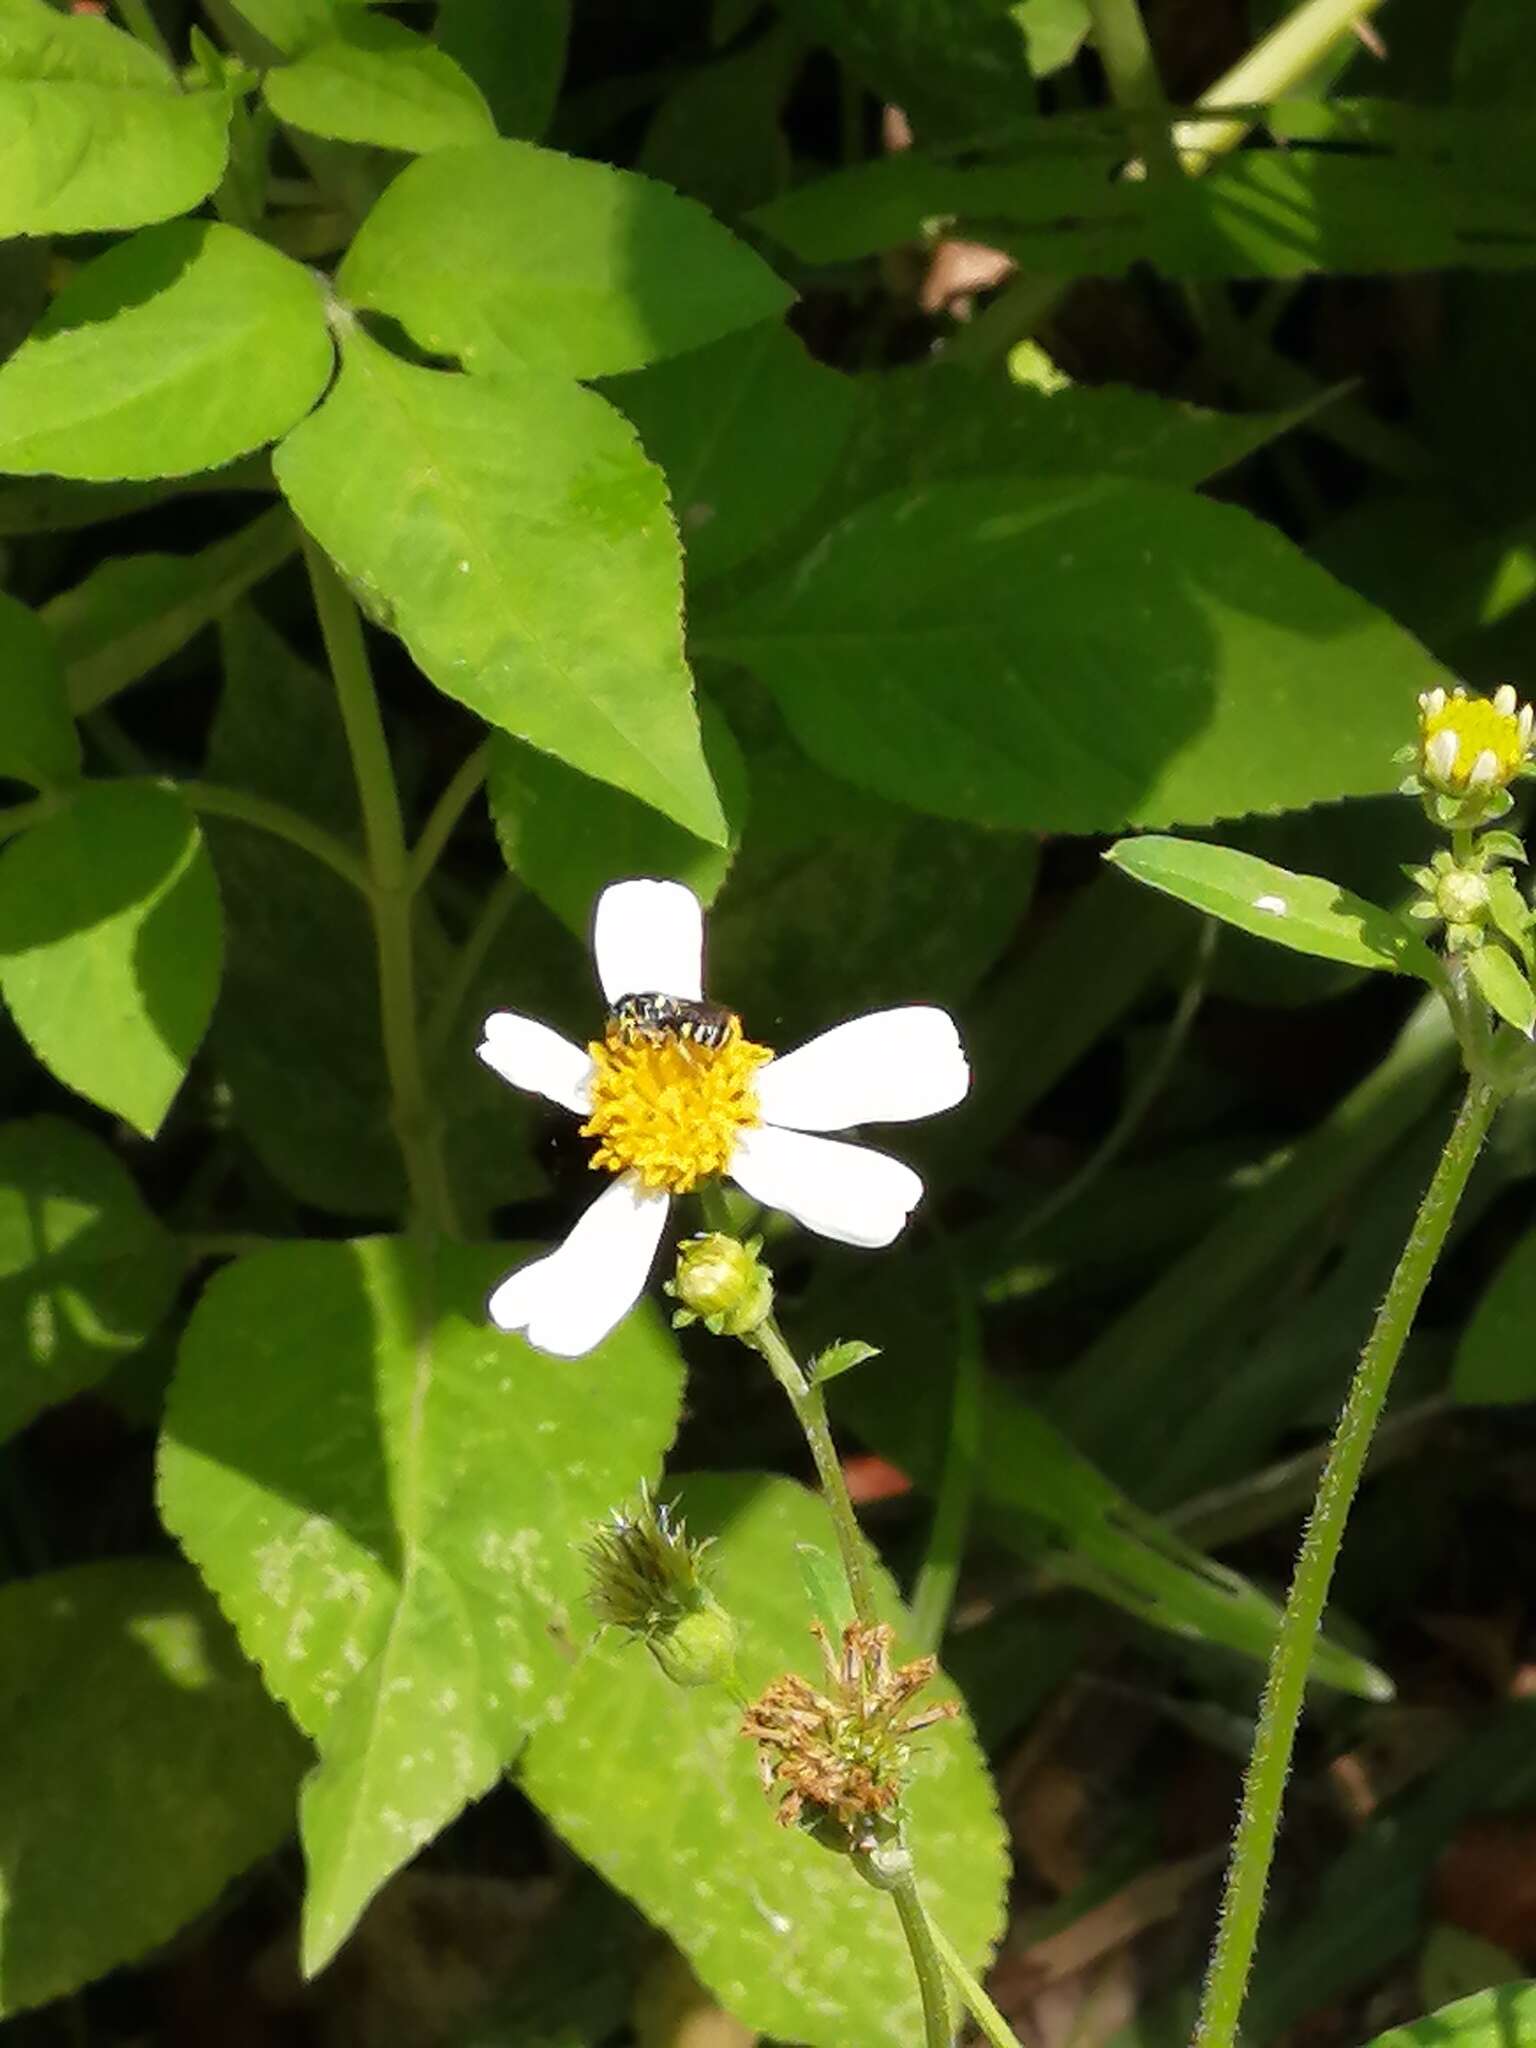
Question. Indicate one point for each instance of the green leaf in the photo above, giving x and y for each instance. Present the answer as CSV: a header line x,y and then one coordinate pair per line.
x,y
826,1589
141,1767
839,902
135,611
1457,1965
520,543
1495,1362
1360,187
387,1497
1305,912
1054,32
516,55
568,837
110,945
371,80
178,350
837,1359
936,423
782,1932
519,259
1073,655
38,742
1503,986
289,25
748,432
95,131
86,1271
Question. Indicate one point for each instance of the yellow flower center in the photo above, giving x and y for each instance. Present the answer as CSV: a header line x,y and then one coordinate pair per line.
x,y
1479,727
667,1107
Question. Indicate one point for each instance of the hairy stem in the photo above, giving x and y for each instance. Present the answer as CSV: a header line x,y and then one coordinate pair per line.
x,y
1269,1764
938,2027
416,1128
980,2007
811,1414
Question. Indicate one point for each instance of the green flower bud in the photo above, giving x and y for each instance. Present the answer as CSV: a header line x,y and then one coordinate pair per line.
x,y
1461,897
723,1284
645,1577
698,1650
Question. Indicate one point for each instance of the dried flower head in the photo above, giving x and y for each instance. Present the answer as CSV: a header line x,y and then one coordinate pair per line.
x,y
645,1577
838,1759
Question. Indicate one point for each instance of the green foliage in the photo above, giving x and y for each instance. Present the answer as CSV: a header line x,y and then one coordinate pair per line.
x,y
1500,2018
178,350
387,1498
38,744
95,130
368,79
394,403
516,56
1496,1361
1303,912
1360,186
748,432
562,295
88,1271
518,540
980,632
110,945
124,1705
820,1956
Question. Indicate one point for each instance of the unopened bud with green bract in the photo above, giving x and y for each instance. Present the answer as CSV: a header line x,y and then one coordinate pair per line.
x,y
646,1578
723,1284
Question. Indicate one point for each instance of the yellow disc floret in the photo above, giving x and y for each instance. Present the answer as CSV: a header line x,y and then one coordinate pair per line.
x,y
1472,744
668,1107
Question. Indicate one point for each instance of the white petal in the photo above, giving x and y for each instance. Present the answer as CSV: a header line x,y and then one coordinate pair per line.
x,y
1441,753
567,1302
842,1191
531,1056
1505,700
1485,770
648,937
886,1068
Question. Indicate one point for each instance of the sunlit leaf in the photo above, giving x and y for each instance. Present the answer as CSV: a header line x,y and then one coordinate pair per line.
x,y
110,945
519,543
517,258
388,1496
369,79
178,350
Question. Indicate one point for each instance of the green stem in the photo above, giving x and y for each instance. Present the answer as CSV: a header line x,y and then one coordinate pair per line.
x,y
269,816
1120,37
1271,68
938,2029
811,1413
472,954
1269,1764
1275,64
416,1129
980,2007
446,813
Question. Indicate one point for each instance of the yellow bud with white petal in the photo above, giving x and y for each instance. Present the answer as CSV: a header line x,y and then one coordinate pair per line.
x,y
1472,746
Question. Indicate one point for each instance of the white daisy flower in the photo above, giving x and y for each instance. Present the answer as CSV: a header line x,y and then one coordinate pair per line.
x,y
675,1095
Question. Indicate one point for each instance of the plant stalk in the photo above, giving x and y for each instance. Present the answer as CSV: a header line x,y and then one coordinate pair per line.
x,y
1269,1764
416,1128
938,2025
1120,37
980,2007
811,1413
